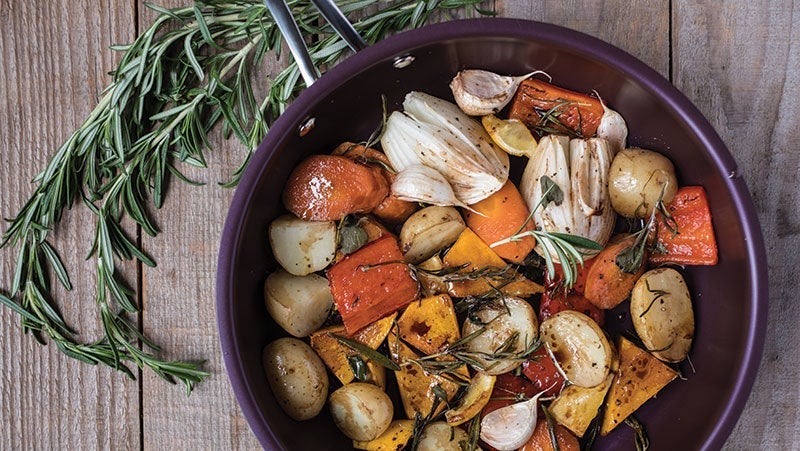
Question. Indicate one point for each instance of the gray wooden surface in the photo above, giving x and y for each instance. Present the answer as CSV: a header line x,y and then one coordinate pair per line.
x,y
738,61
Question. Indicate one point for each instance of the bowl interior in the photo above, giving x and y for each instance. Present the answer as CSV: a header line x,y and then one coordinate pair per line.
x,y
346,104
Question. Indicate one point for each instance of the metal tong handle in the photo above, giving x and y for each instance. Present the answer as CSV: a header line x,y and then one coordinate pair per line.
x,y
291,33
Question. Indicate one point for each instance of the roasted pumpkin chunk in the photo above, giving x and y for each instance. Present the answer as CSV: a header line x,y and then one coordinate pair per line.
x,y
429,324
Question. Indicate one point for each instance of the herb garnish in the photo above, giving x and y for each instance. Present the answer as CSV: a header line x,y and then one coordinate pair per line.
x,y
185,75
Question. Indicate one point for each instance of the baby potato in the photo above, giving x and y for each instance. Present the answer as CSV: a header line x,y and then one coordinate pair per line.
x,y
636,180
440,436
302,247
661,309
428,231
362,411
297,377
299,304
579,346
514,316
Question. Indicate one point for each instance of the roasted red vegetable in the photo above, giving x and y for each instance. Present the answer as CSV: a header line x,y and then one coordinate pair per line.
x,y
694,244
546,107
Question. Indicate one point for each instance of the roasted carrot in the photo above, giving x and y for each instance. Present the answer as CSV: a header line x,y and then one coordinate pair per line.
x,y
541,440
540,105
392,209
329,187
606,284
504,213
371,283
694,244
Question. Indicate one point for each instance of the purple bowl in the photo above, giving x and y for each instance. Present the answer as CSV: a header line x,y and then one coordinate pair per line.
x,y
730,298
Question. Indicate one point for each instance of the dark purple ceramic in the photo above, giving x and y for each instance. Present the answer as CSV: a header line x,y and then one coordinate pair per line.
x,y
730,298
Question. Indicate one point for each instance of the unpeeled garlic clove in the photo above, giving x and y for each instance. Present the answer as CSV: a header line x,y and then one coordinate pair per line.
x,y
613,128
480,92
508,428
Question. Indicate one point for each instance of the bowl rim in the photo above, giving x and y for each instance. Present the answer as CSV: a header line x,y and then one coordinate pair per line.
x,y
518,29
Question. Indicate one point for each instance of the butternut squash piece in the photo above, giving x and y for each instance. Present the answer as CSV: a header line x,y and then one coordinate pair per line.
x,y
470,250
393,439
640,377
429,324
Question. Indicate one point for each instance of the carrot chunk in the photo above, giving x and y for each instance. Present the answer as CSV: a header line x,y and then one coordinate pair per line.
x,y
694,244
329,187
504,213
539,104
371,283
606,284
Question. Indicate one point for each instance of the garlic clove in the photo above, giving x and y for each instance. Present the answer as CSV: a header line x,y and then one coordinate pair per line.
x,y
613,128
480,92
508,428
418,183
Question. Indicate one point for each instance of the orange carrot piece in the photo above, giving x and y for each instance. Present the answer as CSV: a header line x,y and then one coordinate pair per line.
x,y
329,187
541,441
392,209
580,281
694,244
574,111
606,284
371,283
505,212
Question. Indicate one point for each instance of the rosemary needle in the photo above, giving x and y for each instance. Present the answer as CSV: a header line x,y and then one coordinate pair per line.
x,y
186,74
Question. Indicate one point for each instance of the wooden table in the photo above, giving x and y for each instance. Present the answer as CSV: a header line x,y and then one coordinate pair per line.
x,y
738,61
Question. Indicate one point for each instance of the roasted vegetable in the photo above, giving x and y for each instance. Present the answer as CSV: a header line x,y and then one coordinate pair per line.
x,y
500,216
439,436
371,283
640,377
418,387
473,401
482,270
395,438
661,310
694,243
552,109
569,179
509,328
329,187
430,324
302,247
428,231
297,377
299,304
391,209
542,440
437,134
607,285
361,411
579,346
541,369
480,92
576,407
639,179
335,353
558,300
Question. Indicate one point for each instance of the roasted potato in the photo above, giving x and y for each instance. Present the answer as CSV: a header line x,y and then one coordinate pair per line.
x,y
302,247
361,411
512,316
299,304
637,179
440,436
661,310
428,231
579,346
297,377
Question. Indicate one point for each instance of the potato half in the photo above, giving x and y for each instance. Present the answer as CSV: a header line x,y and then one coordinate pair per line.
x,y
636,179
362,411
661,309
428,231
299,304
300,246
297,377
579,346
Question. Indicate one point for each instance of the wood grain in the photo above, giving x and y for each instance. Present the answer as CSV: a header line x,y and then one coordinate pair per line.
x,y
739,62
53,70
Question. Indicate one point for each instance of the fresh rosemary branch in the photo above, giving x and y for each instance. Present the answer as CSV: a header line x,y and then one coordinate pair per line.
x,y
188,73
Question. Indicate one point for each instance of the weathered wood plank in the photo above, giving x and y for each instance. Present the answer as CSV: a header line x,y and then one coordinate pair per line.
x,y
739,62
54,57
179,298
640,27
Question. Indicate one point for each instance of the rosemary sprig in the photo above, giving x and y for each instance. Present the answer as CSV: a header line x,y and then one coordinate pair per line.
x,y
186,74
632,257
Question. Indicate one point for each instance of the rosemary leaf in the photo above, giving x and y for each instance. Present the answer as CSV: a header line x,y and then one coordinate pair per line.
x,y
368,353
